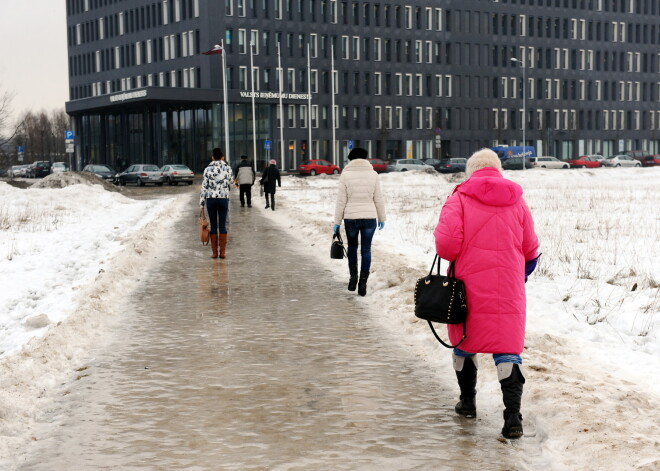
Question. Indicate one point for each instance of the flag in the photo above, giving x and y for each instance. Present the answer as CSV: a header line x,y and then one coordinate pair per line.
x,y
217,49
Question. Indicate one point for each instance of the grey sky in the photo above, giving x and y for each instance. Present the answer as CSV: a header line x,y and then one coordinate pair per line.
x,y
33,54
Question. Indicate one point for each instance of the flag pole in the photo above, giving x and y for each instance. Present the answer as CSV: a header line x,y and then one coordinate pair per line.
x,y
309,107
225,104
279,66
254,119
332,76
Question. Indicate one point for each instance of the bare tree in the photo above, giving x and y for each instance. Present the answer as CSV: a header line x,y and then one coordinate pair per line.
x,y
7,129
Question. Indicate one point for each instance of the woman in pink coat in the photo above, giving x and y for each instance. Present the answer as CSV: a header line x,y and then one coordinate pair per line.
x,y
487,231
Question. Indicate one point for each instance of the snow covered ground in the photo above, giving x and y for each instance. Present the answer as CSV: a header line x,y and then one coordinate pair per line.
x,y
593,338
593,345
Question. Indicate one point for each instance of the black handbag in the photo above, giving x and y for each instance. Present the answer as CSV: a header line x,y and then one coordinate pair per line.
x,y
337,249
441,299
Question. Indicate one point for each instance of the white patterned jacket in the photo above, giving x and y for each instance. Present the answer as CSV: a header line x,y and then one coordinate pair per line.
x,y
217,181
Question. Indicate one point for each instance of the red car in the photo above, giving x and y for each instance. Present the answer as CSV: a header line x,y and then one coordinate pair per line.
x,y
379,165
585,161
314,167
651,161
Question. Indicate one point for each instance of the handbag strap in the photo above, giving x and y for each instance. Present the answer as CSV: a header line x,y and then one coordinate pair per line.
x,y
201,213
445,344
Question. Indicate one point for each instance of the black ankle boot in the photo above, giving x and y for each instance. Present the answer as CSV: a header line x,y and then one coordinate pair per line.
x,y
467,382
362,283
353,280
512,389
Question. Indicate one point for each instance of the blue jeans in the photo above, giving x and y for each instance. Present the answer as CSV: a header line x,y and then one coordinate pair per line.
x,y
355,227
498,357
217,209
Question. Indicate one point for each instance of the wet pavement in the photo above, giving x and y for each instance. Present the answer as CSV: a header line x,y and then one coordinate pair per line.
x,y
261,361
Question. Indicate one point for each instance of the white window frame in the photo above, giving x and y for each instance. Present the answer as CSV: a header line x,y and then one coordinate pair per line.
x,y
398,84
378,86
138,53
120,20
165,12
184,44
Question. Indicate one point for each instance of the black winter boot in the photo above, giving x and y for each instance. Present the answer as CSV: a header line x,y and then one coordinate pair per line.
x,y
352,281
466,373
362,283
511,382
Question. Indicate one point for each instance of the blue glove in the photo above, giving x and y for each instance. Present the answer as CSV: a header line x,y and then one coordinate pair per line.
x,y
530,266
335,228
381,224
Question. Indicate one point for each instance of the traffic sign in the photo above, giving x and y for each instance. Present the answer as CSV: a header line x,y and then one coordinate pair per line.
x,y
69,149
267,144
68,135
349,143
20,149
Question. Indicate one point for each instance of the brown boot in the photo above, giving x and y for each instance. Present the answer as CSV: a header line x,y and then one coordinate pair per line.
x,y
214,245
223,244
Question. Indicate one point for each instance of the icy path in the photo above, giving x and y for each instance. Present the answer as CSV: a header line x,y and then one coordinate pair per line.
x,y
261,361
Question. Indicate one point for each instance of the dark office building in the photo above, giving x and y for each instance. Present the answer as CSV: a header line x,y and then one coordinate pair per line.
x,y
412,78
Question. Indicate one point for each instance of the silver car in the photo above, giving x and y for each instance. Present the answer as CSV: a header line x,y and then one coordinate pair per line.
x,y
621,161
173,174
17,171
141,174
403,165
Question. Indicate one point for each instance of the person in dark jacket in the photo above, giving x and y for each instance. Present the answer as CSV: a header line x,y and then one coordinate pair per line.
x,y
269,177
245,178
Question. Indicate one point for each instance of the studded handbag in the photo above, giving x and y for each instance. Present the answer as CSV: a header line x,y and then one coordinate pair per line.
x,y
441,299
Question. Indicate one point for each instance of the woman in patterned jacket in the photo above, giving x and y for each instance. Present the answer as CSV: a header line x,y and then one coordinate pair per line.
x,y
215,196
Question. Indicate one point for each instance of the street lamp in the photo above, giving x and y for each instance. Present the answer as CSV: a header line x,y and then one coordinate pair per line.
x,y
524,120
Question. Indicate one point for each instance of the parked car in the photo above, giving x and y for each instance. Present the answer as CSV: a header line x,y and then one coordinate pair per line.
x,y
621,161
17,171
106,172
38,169
379,165
640,155
515,163
141,174
585,161
403,165
314,167
651,160
548,162
432,162
59,167
453,165
173,174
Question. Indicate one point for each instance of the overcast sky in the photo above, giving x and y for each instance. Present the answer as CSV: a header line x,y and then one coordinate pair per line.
x,y
33,54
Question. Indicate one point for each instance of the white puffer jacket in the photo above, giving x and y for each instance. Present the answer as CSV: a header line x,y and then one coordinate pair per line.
x,y
359,195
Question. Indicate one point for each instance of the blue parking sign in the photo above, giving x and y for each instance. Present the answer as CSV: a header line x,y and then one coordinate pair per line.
x,y
68,134
266,144
20,149
350,145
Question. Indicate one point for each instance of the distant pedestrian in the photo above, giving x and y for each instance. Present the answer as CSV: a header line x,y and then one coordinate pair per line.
x,y
487,232
269,177
245,177
216,185
361,205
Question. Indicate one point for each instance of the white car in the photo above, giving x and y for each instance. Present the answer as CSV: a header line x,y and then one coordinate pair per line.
x,y
621,161
403,165
548,162
18,171
59,167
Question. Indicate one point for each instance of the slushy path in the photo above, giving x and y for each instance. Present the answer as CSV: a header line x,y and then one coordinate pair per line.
x,y
261,361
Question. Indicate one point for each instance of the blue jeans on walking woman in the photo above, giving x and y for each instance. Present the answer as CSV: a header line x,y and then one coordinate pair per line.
x,y
355,228
217,208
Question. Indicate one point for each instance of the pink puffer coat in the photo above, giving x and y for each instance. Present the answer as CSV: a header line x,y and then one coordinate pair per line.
x,y
486,227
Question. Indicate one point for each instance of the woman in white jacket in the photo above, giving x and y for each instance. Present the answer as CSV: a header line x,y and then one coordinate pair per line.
x,y
361,205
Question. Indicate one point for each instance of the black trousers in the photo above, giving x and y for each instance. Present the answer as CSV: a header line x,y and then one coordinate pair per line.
x,y
272,200
245,193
